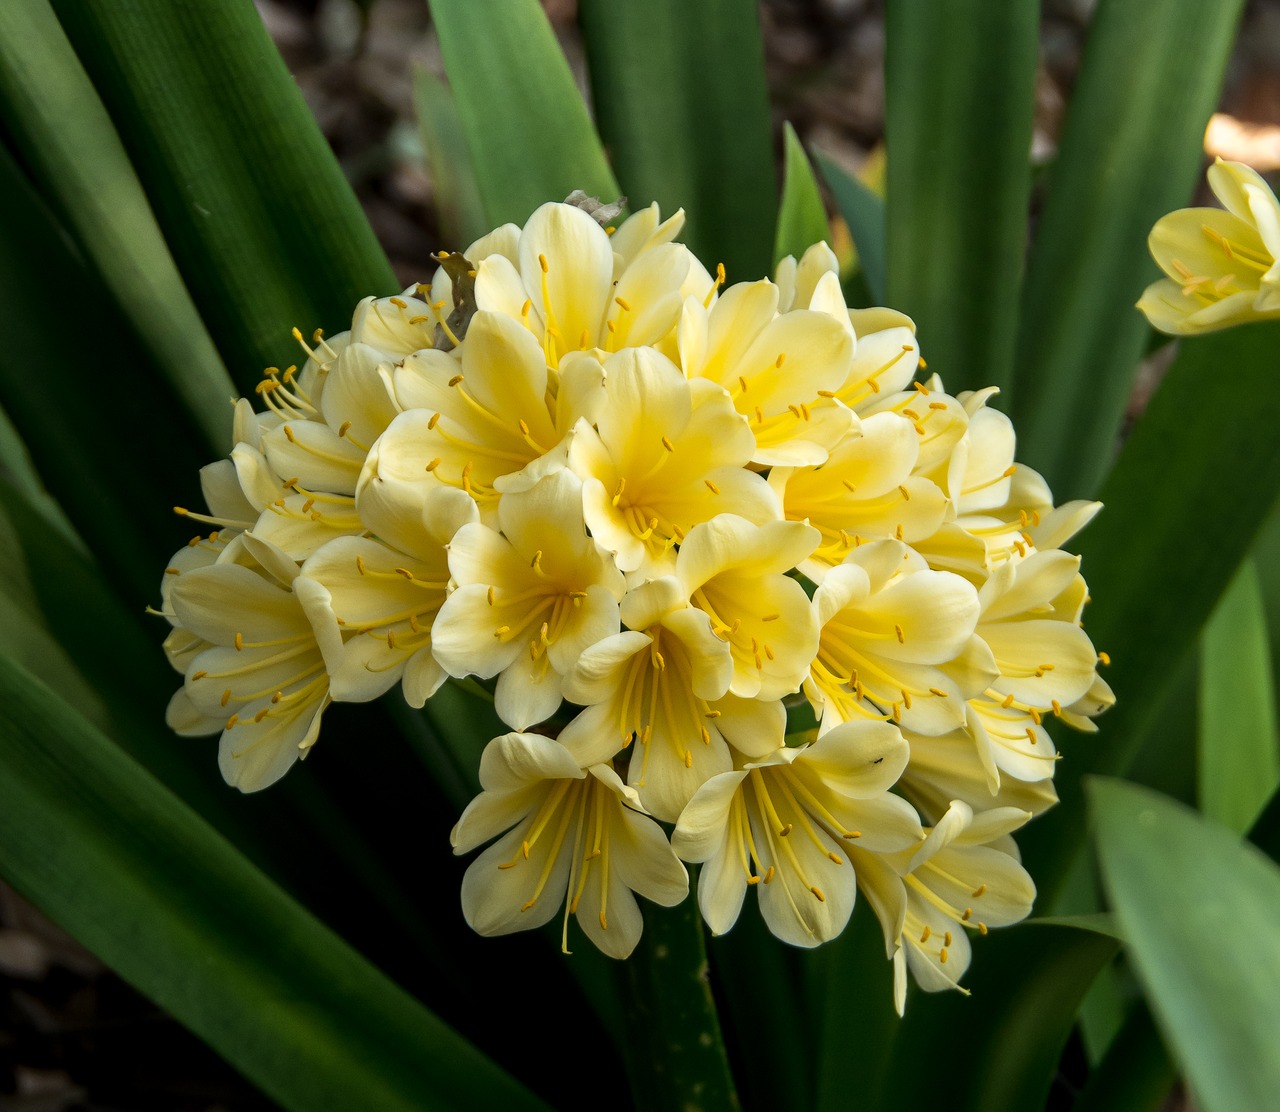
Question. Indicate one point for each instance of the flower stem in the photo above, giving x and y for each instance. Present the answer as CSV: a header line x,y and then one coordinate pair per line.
x,y
676,1054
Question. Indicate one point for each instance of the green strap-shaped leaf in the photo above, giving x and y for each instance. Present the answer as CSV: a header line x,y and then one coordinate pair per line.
x,y
1181,510
456,194
1198,909
673,1021
104,431
680,95
1239,751
863,211
1131,149
959,83
68,141
525,122
139,878
263,225
802,217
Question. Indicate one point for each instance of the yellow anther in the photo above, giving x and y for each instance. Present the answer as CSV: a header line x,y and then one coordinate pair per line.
x,y
742,383
980,891
360,565
925,936
688,758
818,892
542,262
622,304
455,380
759,415
405,572
902,637
946,938
770,617
1008,701
835,857
342,429
536,562
231,722
911,413
938,692
1009,471
226,697
666,443
199,675
239,642
172,571
435,417
1104,658
967,915
942,955
491,594
433,464
782,358
1057,706
524,309
1031,735
906,494
937,405
711,486
501,631
398,303
786,830
288,433
982,928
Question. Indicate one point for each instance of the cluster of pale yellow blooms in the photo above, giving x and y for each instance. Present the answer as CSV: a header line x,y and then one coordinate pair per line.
x,y
658,513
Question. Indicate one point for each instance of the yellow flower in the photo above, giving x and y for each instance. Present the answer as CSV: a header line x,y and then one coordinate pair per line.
x,y
574,835
1222,266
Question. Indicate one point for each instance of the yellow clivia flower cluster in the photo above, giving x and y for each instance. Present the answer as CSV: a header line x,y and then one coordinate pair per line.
x,y
656,512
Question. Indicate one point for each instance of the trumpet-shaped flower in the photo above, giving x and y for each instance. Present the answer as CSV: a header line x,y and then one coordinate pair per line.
x,y
575,836
735,572
530,600
665,682
664,455
865,491
961,878
784,825
774,367
261,680
896,641
375,599
1223,267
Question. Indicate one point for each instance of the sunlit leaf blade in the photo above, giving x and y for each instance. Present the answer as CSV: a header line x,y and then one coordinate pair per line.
x,y
1239,753
525,122
959,82
863,211
1130,152
1198,910
67,140
802,217
456,195
1181,509
96,418
680,95
264,228
139,878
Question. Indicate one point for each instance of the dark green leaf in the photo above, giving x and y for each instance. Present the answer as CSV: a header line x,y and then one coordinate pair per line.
x,y
1149,79
802,217
680,95
959,89
524,120
67,140
140,879
863,211
1197,906
264,228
